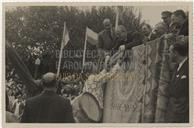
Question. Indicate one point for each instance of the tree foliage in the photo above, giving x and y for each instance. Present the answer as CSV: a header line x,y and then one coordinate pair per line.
x,y
42,26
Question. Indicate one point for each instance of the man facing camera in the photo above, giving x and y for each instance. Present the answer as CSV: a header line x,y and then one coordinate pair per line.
x,y
105,43
48,107
179,17
166,17
179,88
106,37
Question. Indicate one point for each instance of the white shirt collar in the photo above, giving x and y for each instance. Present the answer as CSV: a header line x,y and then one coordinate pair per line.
x,y
181,63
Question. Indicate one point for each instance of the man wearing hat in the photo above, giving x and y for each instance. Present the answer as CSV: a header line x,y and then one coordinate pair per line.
x,y
48,107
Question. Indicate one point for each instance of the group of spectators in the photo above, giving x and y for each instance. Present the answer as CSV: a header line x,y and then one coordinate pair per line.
x,y
48,107
15,98
111,39
71,86
174,24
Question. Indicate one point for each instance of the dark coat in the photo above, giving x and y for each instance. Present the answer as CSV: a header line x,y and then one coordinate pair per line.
x,y
47,107
133,39
179,95
184,29
106,40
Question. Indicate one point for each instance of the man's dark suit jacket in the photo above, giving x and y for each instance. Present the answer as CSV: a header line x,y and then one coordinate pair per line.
x,y
133,39
106,40
47,107
179,95
184,29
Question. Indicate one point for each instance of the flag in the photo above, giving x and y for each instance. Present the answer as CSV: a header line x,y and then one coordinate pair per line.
x,y
65,38
64,42
21,69
117,18
92,37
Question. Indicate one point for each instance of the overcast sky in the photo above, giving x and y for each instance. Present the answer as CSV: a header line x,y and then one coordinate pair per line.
x,y
152,14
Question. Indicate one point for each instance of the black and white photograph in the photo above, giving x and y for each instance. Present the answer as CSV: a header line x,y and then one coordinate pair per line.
x,y
97,63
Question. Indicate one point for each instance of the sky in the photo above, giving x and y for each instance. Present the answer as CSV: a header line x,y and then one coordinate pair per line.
x,y
152,14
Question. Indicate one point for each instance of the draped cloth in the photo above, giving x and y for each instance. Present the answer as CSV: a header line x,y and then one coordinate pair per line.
x,y
152,76
140,94
130,97
123,94
21,69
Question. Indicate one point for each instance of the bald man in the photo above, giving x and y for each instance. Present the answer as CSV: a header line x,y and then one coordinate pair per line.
x,y
48,107
105,44
127,40
106,37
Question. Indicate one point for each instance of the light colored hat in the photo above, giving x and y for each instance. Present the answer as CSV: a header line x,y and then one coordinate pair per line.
x,y
49,77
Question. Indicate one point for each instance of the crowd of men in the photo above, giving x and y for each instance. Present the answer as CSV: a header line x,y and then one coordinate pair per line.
x,y
49,107
175,23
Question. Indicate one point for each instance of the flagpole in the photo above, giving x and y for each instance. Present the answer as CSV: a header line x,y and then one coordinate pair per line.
x,y
117,18
84,54
61,52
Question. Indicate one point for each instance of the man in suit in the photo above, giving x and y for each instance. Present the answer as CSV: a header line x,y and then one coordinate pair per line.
x,y
106,37
126,40
105,42
166,17
48,107
179,17
178,111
